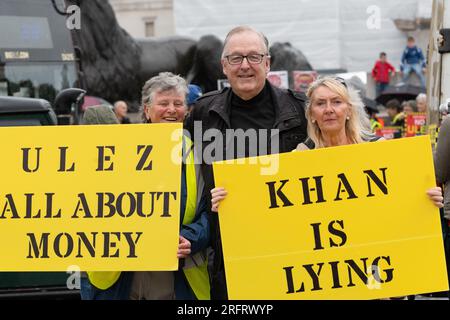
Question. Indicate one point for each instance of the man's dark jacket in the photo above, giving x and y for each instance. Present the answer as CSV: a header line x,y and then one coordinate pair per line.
x,y
212,109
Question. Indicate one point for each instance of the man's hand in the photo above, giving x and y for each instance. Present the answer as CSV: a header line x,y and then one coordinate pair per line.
x,y
184,248
435,196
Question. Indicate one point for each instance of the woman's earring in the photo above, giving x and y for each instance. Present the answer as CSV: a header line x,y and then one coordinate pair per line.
x,y
313,121
348,118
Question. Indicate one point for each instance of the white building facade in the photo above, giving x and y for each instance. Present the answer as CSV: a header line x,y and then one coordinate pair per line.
x,y
145,18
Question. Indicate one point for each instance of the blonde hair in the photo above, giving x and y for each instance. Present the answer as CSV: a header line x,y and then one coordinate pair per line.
x,y
357,128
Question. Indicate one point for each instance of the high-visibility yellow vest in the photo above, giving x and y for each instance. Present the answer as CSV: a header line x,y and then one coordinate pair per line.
x,y
374,124
195,269
103,279
398,117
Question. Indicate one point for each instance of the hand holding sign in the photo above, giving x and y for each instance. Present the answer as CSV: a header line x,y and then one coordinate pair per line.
x,y
184,248
217,195
435,195
334,229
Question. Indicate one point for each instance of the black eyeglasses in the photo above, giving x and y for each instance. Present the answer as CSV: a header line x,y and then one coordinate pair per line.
x,y
254,58
341,81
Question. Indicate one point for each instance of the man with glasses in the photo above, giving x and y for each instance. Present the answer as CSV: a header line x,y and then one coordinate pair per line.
x,y
250,103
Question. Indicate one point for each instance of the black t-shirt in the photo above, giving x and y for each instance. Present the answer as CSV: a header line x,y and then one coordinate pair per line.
x,y
257,114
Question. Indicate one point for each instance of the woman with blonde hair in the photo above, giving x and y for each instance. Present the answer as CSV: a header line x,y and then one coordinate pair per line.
x,y
336,117
335,114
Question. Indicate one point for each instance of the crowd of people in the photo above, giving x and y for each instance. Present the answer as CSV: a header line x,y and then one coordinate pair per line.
x,y
398,109
412,60
331,114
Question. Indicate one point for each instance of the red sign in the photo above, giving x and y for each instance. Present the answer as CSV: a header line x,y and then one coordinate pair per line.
x,y
302,79
389,132
279,79
415,124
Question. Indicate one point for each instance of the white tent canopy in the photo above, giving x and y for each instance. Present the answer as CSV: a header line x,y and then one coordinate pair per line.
x,y
333,34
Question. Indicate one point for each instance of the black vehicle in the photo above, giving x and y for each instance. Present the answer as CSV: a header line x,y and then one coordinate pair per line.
x,y
37,56
26,112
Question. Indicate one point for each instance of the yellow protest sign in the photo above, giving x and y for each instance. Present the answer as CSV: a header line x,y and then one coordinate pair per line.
x,y
101,197
351,222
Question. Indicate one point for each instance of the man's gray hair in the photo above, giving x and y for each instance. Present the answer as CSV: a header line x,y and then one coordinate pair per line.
x,y
117,103
165,81
241,29
421,97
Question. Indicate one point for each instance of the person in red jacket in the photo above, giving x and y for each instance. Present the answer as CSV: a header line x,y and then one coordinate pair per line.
x,y
381,72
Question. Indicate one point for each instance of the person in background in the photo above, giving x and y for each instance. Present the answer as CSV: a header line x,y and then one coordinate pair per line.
x,y
442,167
413,60
409,107
371,110
95,115
421,101
381,73
395,112
121,111
99,115
194,93
164,101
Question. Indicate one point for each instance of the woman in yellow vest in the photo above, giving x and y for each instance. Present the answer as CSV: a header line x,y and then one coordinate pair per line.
x,y
164,101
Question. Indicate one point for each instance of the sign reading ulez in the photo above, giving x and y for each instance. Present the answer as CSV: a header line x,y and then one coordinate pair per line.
x,y
352,222
103,198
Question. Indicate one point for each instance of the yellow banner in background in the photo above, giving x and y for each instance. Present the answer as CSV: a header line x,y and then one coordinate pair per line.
x,y
103,198
351,222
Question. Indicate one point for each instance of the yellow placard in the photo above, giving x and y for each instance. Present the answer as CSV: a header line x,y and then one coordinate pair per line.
x,y
351,222
99,197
